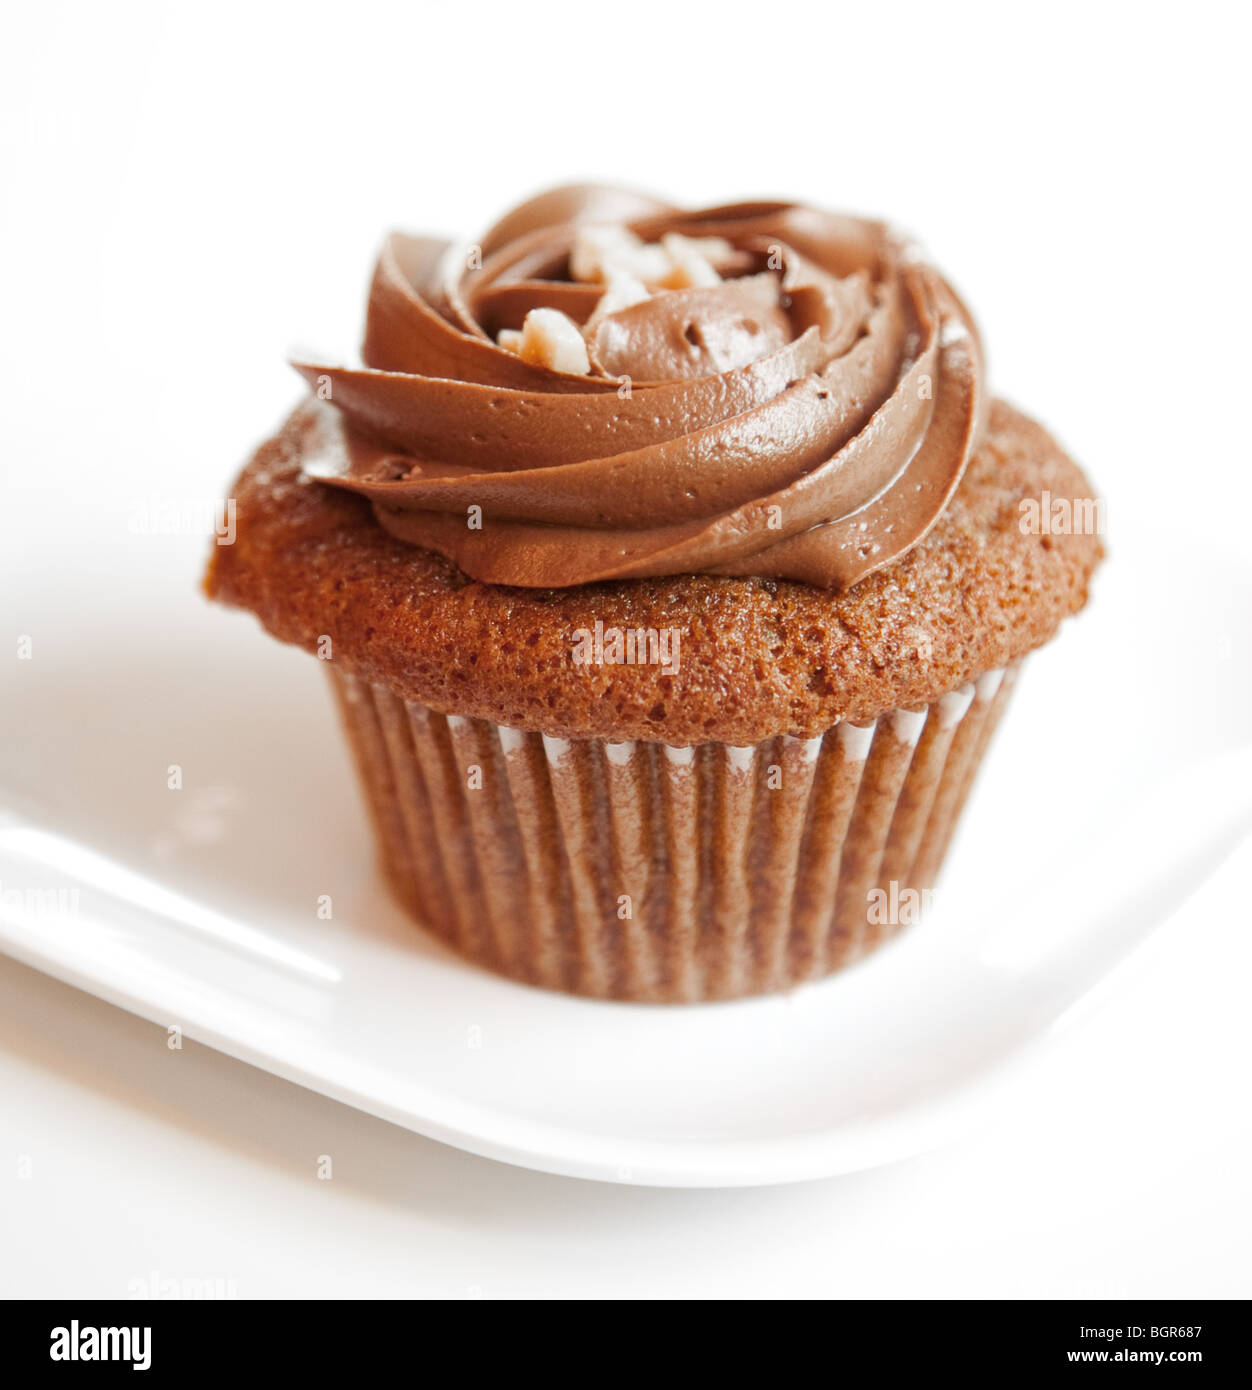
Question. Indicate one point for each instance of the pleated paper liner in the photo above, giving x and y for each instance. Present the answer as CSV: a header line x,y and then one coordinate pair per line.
x,y
644,872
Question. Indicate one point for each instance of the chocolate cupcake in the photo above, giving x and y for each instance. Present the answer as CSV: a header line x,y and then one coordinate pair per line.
x,y
672,570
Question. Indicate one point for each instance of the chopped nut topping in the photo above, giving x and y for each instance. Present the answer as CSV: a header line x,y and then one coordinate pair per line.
x,y
630,271
675,262
622,291
595,246
690,266
548,339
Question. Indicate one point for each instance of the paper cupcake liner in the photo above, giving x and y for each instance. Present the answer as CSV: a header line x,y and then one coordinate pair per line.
x,y
645,872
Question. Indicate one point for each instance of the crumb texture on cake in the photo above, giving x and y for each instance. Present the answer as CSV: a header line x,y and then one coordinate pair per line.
x,y
757,657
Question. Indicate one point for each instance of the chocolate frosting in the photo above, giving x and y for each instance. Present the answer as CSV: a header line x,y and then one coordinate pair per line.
x,y
806,418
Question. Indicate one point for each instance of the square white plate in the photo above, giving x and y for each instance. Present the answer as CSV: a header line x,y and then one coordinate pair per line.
x,y
198,907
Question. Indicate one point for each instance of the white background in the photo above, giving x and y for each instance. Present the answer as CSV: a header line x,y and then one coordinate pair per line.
x,y
189,192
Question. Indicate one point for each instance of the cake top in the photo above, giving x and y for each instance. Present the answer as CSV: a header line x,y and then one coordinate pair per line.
x,y
738,659
607,387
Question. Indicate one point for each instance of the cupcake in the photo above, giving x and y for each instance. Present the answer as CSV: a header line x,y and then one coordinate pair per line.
x,y
672,570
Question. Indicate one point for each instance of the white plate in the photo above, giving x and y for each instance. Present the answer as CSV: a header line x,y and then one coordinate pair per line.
x,y
198,907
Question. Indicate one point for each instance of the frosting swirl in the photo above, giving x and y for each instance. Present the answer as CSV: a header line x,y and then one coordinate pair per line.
x,y
804,413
